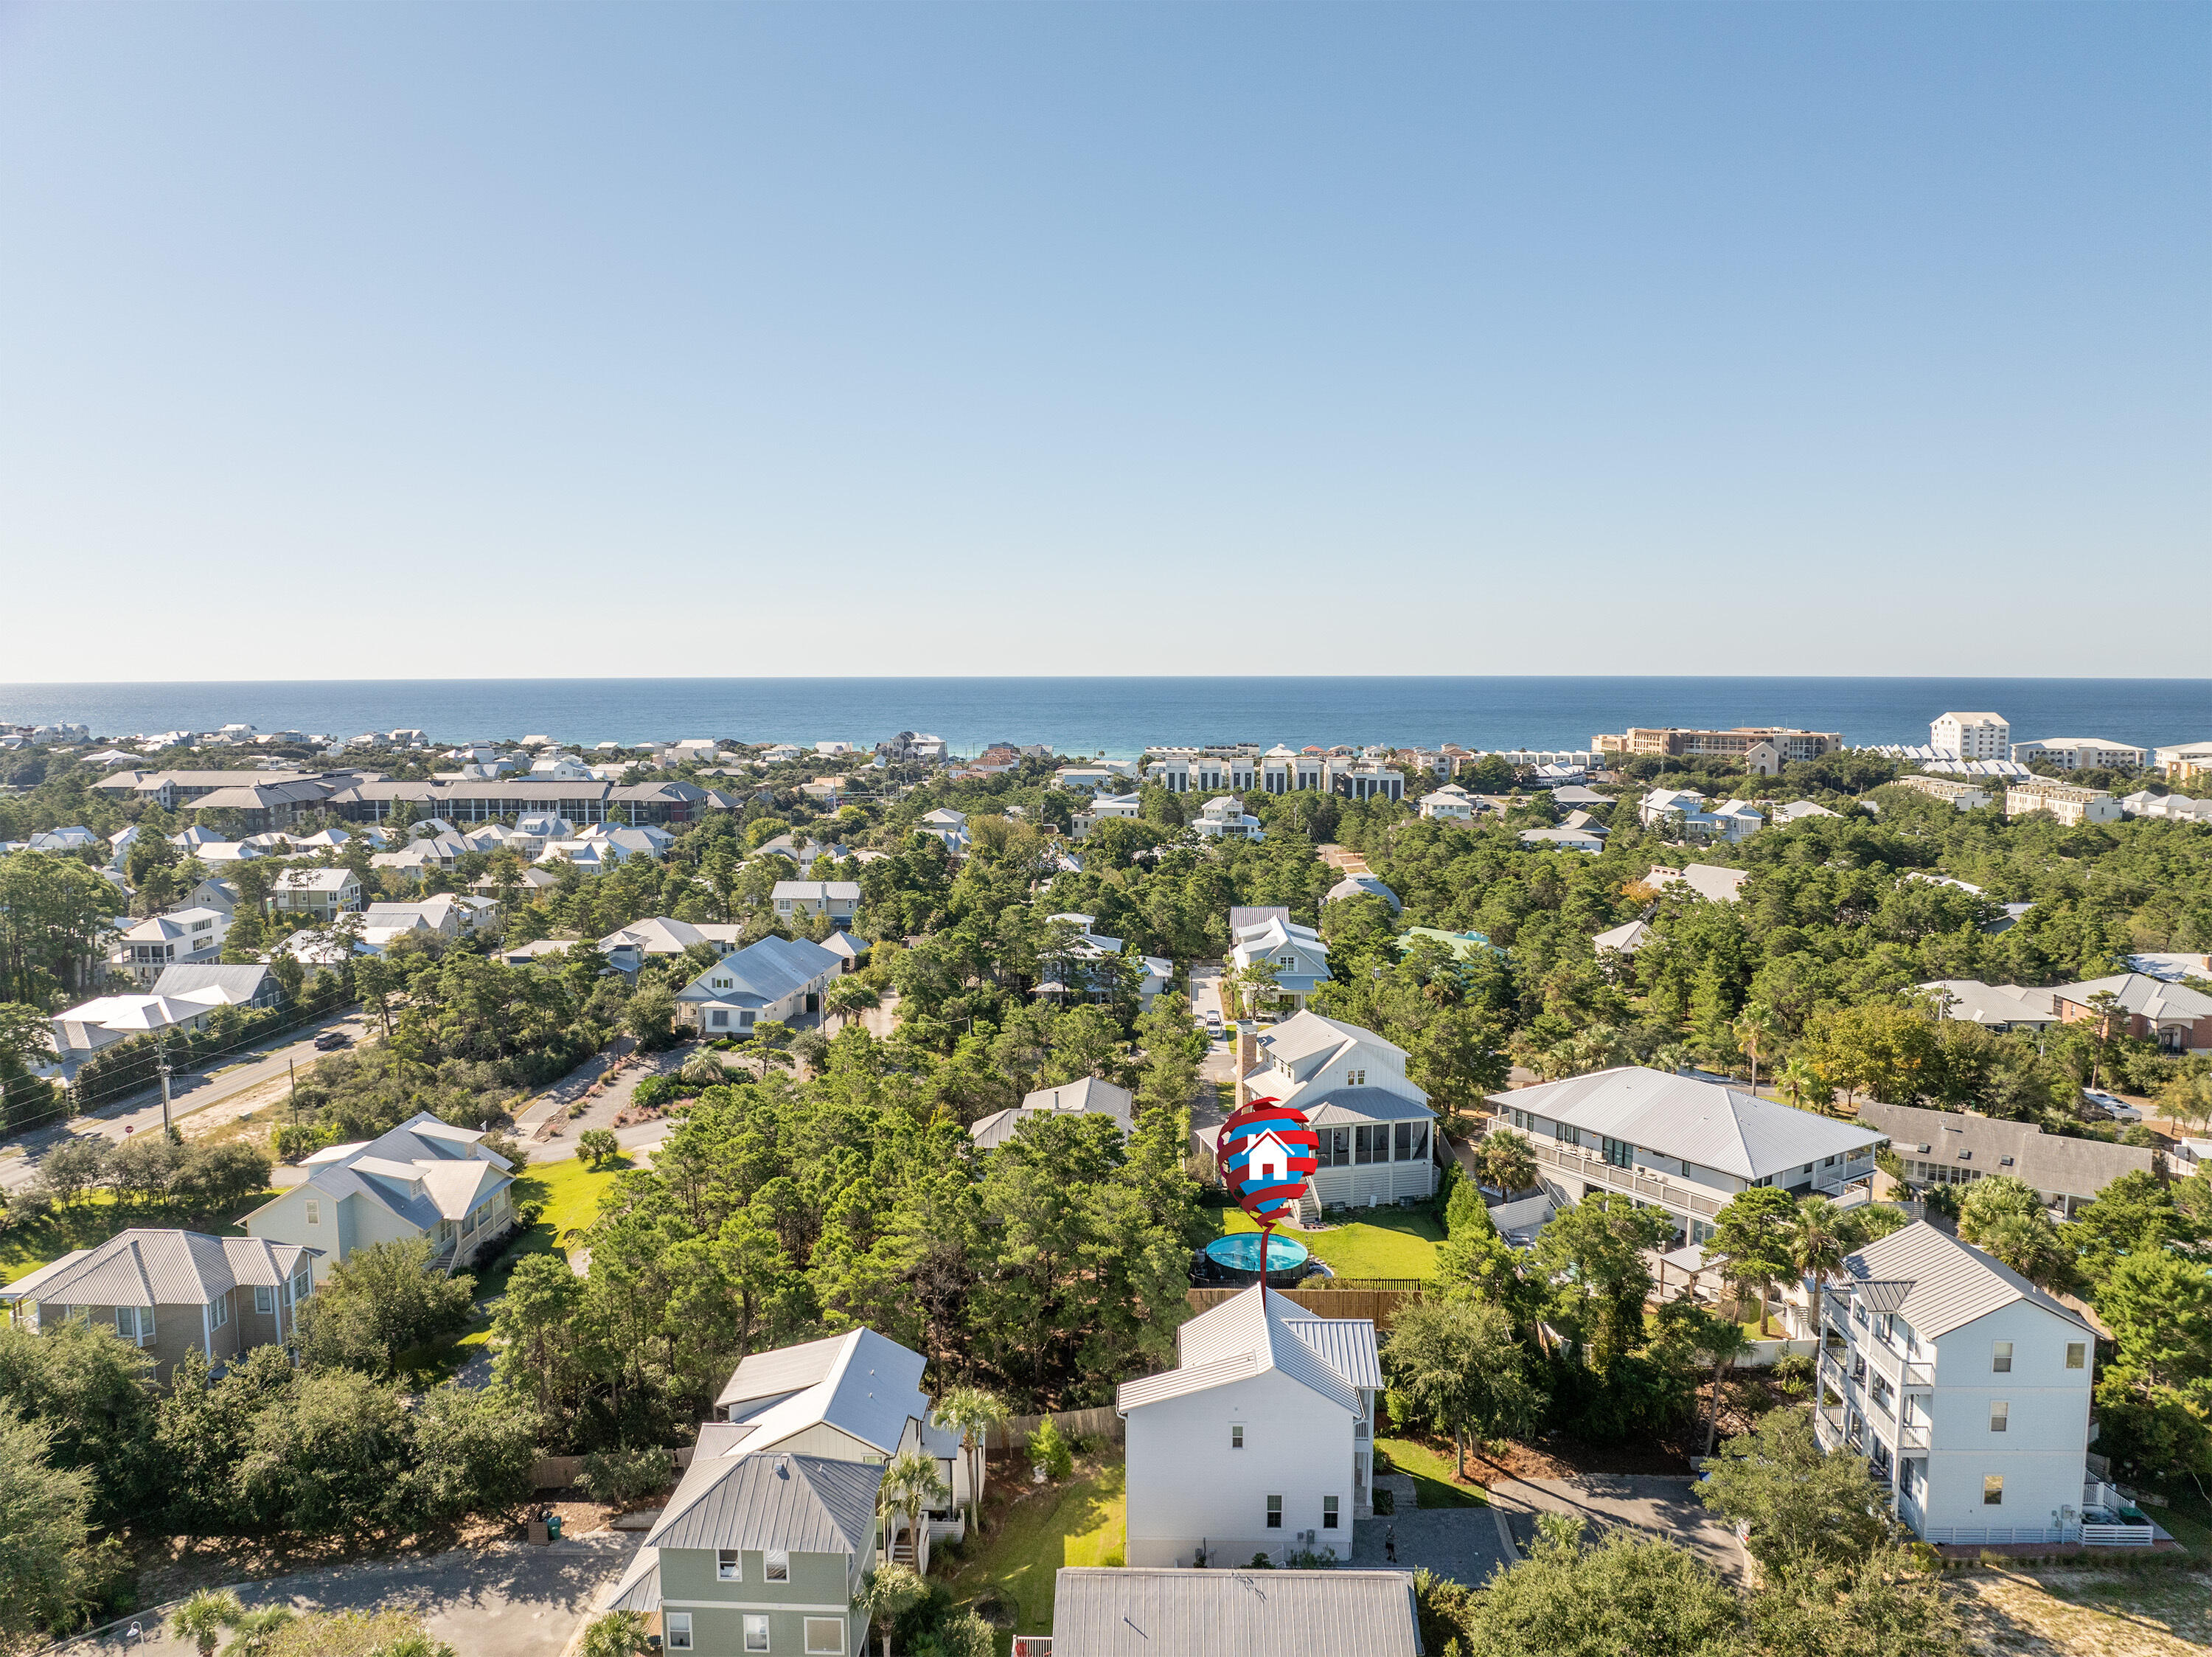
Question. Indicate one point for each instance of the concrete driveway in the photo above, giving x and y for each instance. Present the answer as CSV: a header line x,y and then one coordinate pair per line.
x,y
507,1601
1656,1504
199,1100
1461,1542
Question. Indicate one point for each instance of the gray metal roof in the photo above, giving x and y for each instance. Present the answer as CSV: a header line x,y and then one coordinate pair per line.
x,y
802,1504
241,983
2050,1163
1337,1104
779,1374
165,1267
869,1389
1307,1032
1243,915
1707,1123
764,972
1951,1283
1103,1611
1249,1332
1346,1345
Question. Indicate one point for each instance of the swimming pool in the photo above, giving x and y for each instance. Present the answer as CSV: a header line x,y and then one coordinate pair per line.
x,y
1240,1251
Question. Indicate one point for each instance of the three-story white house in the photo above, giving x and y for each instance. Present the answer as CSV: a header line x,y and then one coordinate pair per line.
x,y
1296,954
1967,1387
1259,1440
1679,1143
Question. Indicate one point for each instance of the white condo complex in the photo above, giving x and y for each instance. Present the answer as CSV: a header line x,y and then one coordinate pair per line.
x,y
1967,1388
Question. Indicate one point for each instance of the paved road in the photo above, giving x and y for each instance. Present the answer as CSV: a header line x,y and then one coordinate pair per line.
x,y
1656,1504
191,1094
507,1601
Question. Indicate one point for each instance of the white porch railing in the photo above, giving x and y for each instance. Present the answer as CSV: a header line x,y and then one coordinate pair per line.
x,y
1596,1170
2116,1536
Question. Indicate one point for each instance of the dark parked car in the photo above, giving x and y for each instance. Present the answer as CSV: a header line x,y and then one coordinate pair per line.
x,y
330,1038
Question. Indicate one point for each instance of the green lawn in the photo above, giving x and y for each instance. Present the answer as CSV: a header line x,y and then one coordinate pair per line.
x,y
1435,1484
1390,1243
569,1195
92,1219
1082,1522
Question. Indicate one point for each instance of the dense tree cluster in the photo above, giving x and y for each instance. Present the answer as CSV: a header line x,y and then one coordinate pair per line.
x,y
1048,1269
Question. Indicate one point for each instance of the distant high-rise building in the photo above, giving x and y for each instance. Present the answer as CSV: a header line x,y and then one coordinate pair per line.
x,y
1971,736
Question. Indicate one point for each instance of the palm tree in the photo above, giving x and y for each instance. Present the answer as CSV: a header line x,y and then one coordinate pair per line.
x,y
842,999
1798,1078
971,1412
203,1619
911,1483
618,1633
258,1631
1754,1024
1817,1244
887,1593
1506,1162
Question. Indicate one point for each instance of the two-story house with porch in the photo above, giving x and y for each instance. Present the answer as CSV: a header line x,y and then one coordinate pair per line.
x,y
757,1551
423,1180
2176,1017
1376,1132
325,893
775,979
1295,954
190,937
802,900
169,1292
855,1396
1259,1440
1963,1384
1679,1143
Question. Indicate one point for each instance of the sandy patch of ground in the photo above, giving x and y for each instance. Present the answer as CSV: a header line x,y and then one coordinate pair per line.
x,y
2076,1613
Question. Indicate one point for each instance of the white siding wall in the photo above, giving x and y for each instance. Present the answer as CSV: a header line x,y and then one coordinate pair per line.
x,y
2040,1453
1188,1486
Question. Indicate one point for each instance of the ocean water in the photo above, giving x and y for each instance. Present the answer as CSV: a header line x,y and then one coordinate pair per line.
x,y
1119,716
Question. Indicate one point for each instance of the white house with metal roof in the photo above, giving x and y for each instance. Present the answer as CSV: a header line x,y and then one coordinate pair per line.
x,y
757,1552
1259,1440
775,979
1681,1144
1715,884
168,1292
423,1180
855,1396
1297,954
1377,1131
803,899
1967,1386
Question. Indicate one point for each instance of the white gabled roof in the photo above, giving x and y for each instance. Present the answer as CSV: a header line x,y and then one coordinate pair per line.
x,y
1706,1123
1937,1284
1254,1331
1306,1032
1627,939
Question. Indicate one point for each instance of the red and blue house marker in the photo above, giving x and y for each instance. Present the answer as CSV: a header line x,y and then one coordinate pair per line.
x,y
1265,1151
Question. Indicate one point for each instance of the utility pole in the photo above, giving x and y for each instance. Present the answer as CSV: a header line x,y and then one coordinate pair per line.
x,y
161,1059
292,1069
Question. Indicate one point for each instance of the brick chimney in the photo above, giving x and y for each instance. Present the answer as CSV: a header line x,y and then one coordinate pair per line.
x,y
1247,1059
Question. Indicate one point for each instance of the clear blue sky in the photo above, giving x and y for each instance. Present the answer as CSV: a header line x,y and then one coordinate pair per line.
x,y
394,340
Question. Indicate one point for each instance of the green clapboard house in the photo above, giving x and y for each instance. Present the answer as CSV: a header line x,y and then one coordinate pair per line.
x,y
758,1553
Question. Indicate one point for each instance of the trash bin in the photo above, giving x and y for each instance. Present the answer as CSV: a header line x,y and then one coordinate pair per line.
x,y
553,1525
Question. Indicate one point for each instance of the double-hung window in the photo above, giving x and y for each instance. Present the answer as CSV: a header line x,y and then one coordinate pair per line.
x,y
1236,1437
1993,1490
2001,1360
2077,1354
756,1633
776,1565
1274,1513
265,1298
729,1565
1328,1513
2000,1414
676,1626
219,1311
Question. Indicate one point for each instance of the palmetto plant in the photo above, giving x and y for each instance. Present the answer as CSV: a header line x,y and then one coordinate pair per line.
x,y
203,1619
618,1633
887,1593
258,1631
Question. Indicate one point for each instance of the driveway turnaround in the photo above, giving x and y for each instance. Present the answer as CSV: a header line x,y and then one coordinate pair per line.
x,y
507,1601
1461,1542
1656,1504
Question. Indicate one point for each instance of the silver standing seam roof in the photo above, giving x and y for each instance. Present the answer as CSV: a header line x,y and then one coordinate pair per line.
x,y
1104,1611
1945,1284
1707,1123
152,1268
1250,1332
803,1504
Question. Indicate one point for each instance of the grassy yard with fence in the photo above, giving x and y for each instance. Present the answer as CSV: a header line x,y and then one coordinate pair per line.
x,y
1381,1243
1081,1521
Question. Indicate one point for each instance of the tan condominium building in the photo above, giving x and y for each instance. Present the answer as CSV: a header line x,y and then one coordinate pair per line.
x,y
1965,795
2070,805
1760,747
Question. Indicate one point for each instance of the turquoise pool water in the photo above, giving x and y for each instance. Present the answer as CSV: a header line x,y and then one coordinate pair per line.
x,y
1240,1251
